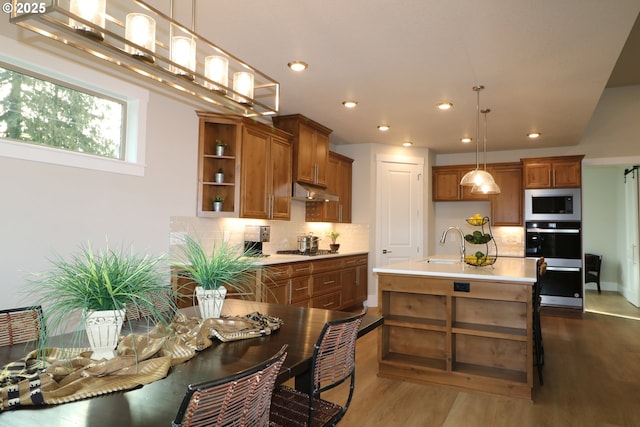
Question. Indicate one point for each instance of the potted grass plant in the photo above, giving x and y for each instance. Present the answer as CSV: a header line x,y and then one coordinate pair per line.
x,y
333,235
226,268
100,287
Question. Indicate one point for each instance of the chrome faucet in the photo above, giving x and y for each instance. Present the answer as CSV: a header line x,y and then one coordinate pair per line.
x,y
444,236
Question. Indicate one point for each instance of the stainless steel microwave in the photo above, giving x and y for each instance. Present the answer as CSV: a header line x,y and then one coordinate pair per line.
x,y
555,204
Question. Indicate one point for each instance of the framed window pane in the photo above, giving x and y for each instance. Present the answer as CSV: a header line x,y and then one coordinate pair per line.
x,y
39,110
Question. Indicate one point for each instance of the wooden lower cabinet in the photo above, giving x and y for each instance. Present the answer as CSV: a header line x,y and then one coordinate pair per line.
x,y
333,283
478,340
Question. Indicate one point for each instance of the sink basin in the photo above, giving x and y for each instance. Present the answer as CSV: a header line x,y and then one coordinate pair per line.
x,y
442,261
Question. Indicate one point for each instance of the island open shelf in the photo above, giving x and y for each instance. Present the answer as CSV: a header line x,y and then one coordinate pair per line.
x,y
475,334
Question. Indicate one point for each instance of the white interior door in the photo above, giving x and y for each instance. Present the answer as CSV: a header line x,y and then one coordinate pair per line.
x,y
400,216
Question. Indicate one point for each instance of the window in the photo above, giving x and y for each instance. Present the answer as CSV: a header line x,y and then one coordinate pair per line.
x,y
47,112
127,156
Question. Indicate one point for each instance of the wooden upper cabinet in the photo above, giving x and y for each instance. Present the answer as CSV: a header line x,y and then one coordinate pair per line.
x,y
506,207
446,184
265,186
553,172
310,148
217,128
339,182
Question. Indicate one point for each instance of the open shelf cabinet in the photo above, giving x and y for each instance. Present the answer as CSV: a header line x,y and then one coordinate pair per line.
x,y
216,128
479,340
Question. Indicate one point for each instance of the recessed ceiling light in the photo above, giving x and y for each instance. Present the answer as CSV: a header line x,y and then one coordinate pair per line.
x,y
297,65
383,128
350,104
534,135
466,140
407,144
444,105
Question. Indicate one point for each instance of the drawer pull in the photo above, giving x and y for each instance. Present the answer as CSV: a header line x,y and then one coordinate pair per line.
x,y
327,305
302,269
329,282
302,289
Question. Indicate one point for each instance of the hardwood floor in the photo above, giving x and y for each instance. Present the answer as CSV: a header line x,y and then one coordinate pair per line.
x,y
591,379
609,302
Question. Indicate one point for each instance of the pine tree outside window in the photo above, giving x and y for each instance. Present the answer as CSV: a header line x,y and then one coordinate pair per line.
x,y
39,110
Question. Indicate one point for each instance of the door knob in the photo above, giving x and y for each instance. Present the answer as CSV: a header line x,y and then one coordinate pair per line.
x,y
384,251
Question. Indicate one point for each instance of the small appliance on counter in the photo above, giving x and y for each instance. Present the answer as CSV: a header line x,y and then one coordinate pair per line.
x,y
254,236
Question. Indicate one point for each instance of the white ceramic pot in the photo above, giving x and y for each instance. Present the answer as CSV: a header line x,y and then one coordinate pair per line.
x,y
103,330
210,301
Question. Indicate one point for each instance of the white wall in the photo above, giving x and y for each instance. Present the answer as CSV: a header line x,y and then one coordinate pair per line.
x,y
603,201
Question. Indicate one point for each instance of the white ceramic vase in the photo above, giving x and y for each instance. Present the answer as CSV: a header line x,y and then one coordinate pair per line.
x,y
210,301
103,330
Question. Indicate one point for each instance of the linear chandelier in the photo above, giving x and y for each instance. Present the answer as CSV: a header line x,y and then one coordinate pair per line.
x,y
479,180
138,37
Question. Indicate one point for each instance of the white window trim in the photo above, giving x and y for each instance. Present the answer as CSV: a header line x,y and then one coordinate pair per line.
x,y
135,97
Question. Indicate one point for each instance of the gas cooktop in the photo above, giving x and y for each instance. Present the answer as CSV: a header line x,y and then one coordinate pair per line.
x,y
297,252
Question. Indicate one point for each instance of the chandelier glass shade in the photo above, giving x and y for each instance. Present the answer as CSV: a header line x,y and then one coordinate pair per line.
x,y
479,180
140,38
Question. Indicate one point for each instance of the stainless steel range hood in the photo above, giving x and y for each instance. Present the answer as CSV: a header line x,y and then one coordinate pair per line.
x,y
307,193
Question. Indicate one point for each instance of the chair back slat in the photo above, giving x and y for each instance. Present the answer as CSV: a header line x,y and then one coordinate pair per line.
x,y
243,399
18,325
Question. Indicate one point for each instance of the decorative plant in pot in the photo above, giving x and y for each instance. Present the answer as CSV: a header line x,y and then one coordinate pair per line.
x,y
100,287
220,176
227,268
217,203
220,146
333,245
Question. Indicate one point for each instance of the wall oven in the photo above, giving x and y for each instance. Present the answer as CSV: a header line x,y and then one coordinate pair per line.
x,y
560,243
557,204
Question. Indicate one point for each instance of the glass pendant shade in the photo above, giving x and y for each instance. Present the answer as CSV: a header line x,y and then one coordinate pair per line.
x,y
476,177
183,52
243,85
216,68
140,29
486,188
90,10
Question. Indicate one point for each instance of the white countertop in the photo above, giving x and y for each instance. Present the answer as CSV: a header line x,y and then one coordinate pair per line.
x,y
510,269
284,258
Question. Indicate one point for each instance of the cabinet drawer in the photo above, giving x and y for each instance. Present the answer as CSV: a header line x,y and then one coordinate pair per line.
x,y
325,283
331,301
279,271
300,289
331,264
354,261
300,269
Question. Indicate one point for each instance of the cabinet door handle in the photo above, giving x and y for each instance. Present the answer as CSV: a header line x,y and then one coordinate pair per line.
x,y
328,282
339,213
327,305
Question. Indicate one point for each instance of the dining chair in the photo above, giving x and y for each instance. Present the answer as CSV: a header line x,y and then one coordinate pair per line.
x,y
592,265
242,399
18,325
538,348
333,362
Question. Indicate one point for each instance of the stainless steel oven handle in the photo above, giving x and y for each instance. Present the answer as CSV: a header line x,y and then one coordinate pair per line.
x,y
549,230
563,268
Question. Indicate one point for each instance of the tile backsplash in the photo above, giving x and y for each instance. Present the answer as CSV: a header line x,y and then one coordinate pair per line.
x,y
353,237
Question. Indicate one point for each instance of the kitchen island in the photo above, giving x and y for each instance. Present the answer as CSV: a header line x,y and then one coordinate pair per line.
x,y
453,324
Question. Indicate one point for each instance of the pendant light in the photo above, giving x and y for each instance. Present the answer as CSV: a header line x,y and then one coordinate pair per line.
x,y
489,187
477,177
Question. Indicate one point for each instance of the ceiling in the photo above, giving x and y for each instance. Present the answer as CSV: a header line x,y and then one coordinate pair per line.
x,y
544,64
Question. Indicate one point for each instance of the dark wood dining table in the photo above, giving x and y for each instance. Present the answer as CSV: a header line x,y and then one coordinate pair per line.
x,y
156,404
